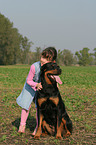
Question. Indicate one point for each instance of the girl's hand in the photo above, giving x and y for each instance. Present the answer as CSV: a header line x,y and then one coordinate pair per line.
x,y
38,86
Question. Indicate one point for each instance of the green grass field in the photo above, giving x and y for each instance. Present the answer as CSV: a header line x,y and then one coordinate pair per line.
x,y
79,95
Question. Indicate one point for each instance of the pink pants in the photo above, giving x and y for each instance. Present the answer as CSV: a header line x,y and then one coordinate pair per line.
x,y
24,116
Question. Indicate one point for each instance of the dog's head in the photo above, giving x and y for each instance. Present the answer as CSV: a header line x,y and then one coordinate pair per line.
x,y
48,71
52,68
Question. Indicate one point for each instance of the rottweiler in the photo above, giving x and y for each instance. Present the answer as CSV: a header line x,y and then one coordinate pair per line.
x,y
52,116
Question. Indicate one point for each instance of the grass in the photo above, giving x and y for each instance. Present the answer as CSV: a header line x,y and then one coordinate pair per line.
x,y
79,95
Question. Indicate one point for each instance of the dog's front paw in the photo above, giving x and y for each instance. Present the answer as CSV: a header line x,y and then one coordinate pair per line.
x,y
58,137
36,137
67,134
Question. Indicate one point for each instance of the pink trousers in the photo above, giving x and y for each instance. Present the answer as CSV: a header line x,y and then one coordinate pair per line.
x,y
24,116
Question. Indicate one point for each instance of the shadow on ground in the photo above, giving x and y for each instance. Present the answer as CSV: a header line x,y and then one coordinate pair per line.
x,y
31,123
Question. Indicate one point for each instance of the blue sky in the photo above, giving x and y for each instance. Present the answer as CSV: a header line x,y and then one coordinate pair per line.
x,y
65,24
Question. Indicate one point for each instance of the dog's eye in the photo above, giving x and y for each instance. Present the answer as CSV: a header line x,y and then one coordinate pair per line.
x,y
44,70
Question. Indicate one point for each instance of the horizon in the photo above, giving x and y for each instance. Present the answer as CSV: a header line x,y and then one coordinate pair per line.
x,y
63,24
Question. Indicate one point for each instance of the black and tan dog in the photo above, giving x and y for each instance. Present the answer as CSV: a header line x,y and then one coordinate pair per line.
x,y
52,116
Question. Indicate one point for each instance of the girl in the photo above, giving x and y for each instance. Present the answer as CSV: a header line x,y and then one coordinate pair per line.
x,y
33,84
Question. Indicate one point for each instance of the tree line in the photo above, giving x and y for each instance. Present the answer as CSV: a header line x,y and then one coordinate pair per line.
x,y
15,49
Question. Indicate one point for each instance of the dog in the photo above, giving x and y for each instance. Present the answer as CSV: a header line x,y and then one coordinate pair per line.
x,y
52,116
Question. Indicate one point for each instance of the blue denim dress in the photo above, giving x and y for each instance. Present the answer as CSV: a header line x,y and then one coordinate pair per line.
x,y
26,97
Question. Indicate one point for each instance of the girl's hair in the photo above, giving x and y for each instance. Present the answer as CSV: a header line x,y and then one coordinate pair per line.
x,y
50,53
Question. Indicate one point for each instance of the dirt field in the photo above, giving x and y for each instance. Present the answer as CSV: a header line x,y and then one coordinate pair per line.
x,y
78,92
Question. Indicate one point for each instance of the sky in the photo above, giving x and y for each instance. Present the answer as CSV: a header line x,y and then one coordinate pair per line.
x,y
64,24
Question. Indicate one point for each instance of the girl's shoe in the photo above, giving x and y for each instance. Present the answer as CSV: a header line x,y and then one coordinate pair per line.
x,y
33,134
21,129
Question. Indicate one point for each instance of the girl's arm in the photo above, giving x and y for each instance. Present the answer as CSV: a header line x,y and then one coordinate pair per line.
x,y
31,76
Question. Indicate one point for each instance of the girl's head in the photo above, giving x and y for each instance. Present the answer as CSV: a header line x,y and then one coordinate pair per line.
x,y
48,54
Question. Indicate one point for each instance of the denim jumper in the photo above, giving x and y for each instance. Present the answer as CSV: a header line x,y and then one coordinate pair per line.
x,y
27,95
